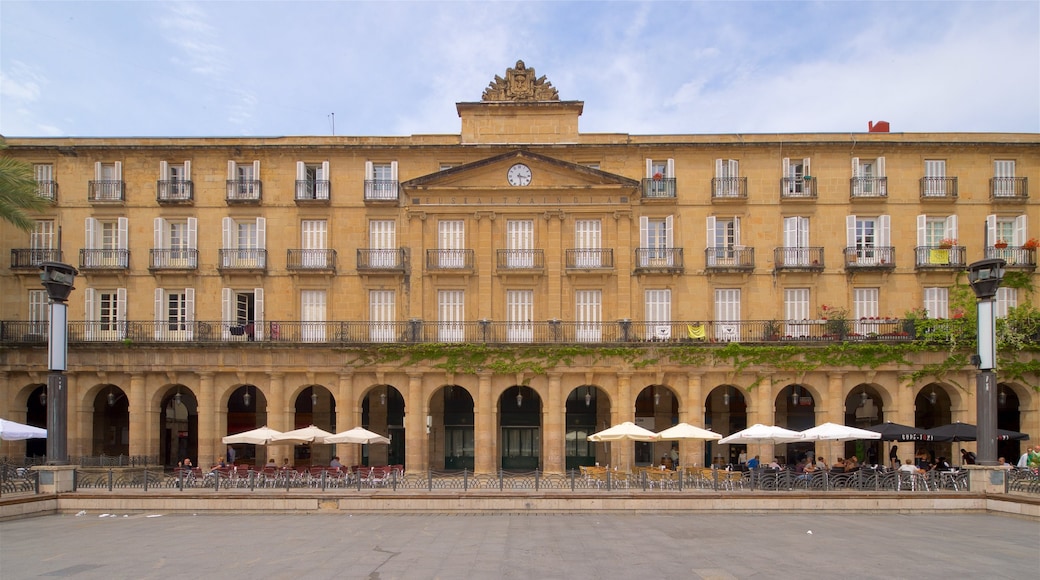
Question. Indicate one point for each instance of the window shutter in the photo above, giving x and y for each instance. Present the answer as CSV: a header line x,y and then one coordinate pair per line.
x,y
187,171
922,230
160,296
850,231
230,239
805,168
258,313
325,170
119,170
189,305
158,237
991,230
736,231
227,305
393,170
301,171
261,233
98,174
951,227
649,168
856,171
122,231
880,167
164,170
670,168
369,172
884,231
710,229
644,232
787,168
668,232
92,230
121,304
231,170
256,171
734,168
193,227
89,305
1021,225
791,232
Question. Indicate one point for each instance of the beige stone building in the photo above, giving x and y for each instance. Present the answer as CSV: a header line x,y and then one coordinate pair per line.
x,y
488,299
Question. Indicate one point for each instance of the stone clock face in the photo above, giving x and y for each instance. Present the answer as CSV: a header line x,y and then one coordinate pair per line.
x,y
519,175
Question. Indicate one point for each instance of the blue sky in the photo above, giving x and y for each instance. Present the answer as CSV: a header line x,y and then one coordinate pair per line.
x,y
398,68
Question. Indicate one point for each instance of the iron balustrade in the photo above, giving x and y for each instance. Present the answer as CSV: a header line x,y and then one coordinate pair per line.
x,y
184,259
242,259
310,259
940,257
868,187
440,260
387,260
244,190
526,260
107,259
312,190
1016,258
1008,188
31,258
106,190
668,260
870,258
659,188
589,259
27,331
938,188
803,259
174,191
798,187
47,190
381,190
730,258
723,188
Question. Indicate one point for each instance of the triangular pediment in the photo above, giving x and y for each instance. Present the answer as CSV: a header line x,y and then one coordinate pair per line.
x,y
547,174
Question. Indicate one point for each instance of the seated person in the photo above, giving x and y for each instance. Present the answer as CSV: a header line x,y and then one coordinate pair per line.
x,y
271,464
286,464
335,462
942,464
852,463
838,466
666,463
821,464
775,464
753,463
909,467
186,464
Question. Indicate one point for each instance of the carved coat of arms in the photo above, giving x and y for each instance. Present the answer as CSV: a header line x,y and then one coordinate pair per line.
x,y
520,84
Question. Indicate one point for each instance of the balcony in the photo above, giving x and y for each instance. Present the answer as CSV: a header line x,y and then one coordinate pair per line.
x,y
312,191
525,261
104,259
798,259
47,190
449,260
659,261
247,260
308,260
938,188
658,188
1016,258
798,188
729,259
106,191
589,260
174,192
868,187
729,189
381,190
1008,189
31,258
163,259
383,261
244,191
870,258
939,257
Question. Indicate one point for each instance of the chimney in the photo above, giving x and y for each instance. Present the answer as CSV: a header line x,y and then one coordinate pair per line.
x,y
880,127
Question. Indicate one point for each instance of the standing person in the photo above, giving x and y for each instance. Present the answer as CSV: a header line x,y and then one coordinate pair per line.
x,y
893,457
1023,462
231,453
742,458
754,463
967,457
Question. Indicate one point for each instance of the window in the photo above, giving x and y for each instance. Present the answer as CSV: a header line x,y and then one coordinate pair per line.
x,y
451,241
867,239
796,241
934,178
588,306
655,240
244,243
451,315
932,234
312,316
1005,236
1004,183
108,181
105,314
243,181
39,313
587,240
381,180
865,309
727,314
1007,298
314,241
42,243
660,175
868,177
520,243
723,240
106,243
520,313
243,314
658,313
382,315
45,185
312,180
382,243
174,314
727,178
175,181
796,308
796,176
937,302
175,243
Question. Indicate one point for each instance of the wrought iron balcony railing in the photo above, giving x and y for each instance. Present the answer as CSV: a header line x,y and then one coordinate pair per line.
x,y
939,188
244,191
589,259
450,260
242,259
729,188
798,187
311,260
111,259
798,259
870,258
312,190
381,190
174,191
106,190
868,187
165,259
660,260
31,258
659,188
1008,188
739,258
47,190
383,260
939,257
1016,258
520,260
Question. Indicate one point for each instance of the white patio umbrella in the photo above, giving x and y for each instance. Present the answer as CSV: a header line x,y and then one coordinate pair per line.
x,y
836,432
13,431
687,431
258,436
759,433
309,434
627,430
357,435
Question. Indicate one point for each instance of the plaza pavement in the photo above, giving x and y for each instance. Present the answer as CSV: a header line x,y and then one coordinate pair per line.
x,y
520,546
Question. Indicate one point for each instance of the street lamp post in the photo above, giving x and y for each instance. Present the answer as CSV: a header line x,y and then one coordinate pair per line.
x,y
57,278
985,277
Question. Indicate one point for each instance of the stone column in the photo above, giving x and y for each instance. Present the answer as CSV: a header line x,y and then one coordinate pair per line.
x,y
484,427
554,419
137,409
279,413
835,413
348,416
622,451
81,417
211,421
415,425
764,412
689,451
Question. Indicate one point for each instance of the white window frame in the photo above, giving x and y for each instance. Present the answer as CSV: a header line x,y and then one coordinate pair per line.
x,y
313,304
105,314
1004,178
520,243
168,235
865,307
240,238
109,236
588,236
180,325
451,315
1006,299
519,314
656,237
382,315
723,239
588,305
451,240
657,308
866,235
727,174
937,302
232,304
795,172
935,178
727,314
314,243
869,173
382,243
796,312
39,313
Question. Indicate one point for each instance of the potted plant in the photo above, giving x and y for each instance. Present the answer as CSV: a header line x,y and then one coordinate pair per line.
x,y
1000,244
947,243
658,176
1031,244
